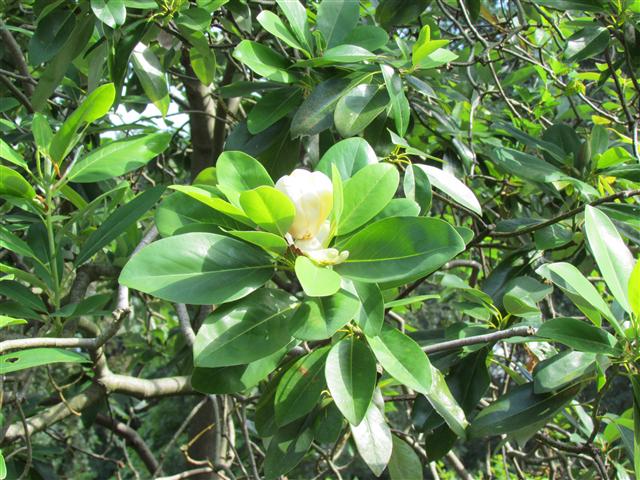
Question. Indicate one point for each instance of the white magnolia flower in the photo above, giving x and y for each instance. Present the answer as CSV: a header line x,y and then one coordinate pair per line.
x,y
312,195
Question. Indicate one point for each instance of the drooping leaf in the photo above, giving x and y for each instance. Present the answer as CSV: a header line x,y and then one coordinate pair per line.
x,y
151,75
404,462
35,357
373,437
443,402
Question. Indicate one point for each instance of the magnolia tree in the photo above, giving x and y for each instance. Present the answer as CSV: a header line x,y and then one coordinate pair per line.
x,y
337,239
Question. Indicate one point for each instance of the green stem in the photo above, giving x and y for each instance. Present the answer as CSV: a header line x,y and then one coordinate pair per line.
x,y
53,256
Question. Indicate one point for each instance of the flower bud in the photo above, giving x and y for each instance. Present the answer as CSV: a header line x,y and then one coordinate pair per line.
x,y
312,195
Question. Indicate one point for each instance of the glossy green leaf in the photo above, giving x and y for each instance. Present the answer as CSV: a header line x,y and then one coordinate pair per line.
x,y
578,335
110,12
370,316
121,219
21,294
35,357
351,377
320,318
203,63
610,252
562,370
151,75
358,108
6,321
366,193
399,103
269,208
349,156
316,112
370,37
273,106
424,47
13,243
300,387
212,200
276,27
238,172
264,61
237,378
118,157
244,331
288,447
445,404
522,295
265,240
635,388
404,463
634,290
373,437
338,196
402,358
519,408
15,185
316,281
586,43
10,155
421,245
336,19
179,210
96,105
296,15
417,187
453,187
198,269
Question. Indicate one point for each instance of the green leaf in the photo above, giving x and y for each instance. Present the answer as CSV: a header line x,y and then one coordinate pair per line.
x,y
238,172
237,378
373,437
35,357
358,108
453,187
349,156
562,370
402,358
211,199
269,208
110,12
421,246
267,241
437,58
264,61
152,77
370,37
404,463
203,63
399,103
276,27
635,387
56,69
296,15
634,289
336,19
417,187
9,321
121,219
610,252
300,387
13,184
579,290
273,106
338,196
370,317
198,269
522,295
12,242
578,335
316,112
22,295
519,408
578,5
288,447
244,331
96,105
351,377
118,157
9,154
316,281
586,43
445,404
424,47
320,318
366,194
194,18
179,210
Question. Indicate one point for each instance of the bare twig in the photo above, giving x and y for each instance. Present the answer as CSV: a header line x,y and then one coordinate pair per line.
x,y
486,338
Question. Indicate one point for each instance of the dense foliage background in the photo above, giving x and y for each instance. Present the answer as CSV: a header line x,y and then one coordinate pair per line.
x,y
485,162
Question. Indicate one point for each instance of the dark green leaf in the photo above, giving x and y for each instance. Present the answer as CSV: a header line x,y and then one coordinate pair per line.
x,y
35,357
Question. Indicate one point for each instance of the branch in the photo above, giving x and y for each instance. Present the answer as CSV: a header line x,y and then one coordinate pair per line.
x,y
15,53
486,338
131,437
185,324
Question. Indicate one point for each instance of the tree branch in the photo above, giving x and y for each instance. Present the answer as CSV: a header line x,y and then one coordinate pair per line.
x,y
486,338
